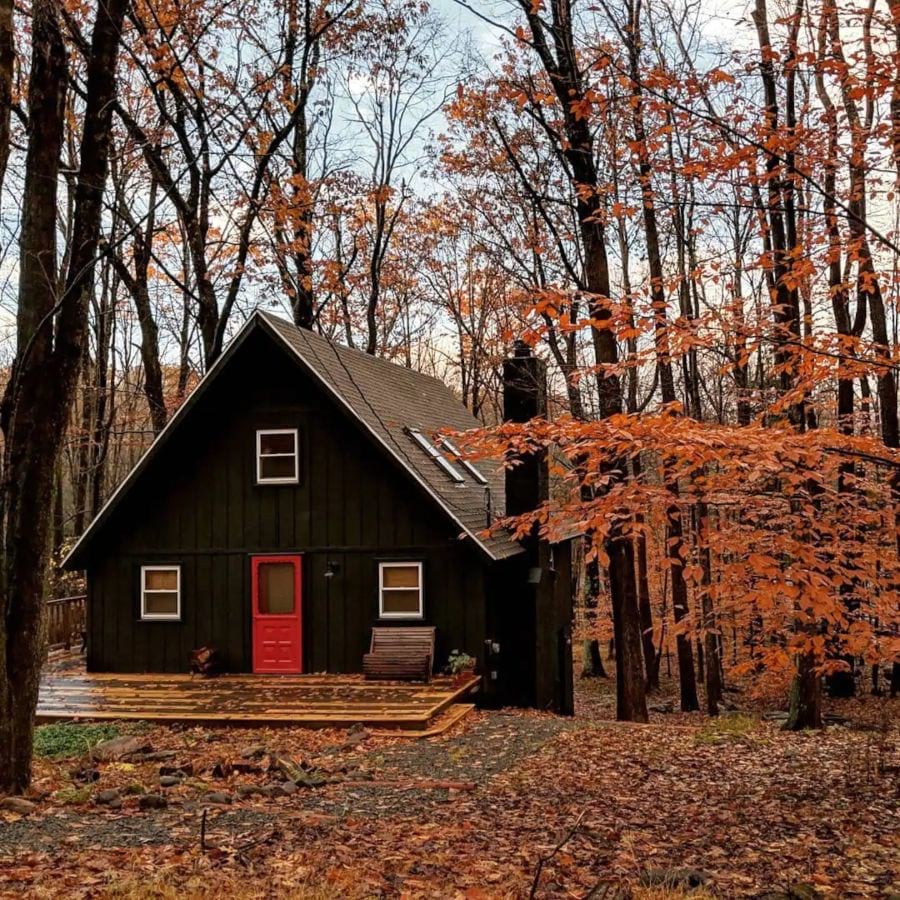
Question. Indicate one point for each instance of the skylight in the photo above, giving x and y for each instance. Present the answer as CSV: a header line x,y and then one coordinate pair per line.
x,y
435,454
469,467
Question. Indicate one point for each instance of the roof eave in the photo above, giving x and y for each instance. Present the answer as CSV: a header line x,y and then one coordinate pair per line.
x,y
74,559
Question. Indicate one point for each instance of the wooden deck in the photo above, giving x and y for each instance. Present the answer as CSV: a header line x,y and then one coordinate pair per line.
x,y
312,701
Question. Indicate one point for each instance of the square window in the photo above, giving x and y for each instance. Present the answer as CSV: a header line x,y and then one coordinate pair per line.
x,y
277,595
161,592
277,456
400,590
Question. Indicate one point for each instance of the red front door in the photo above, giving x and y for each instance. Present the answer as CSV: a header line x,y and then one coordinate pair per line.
x,y
277,627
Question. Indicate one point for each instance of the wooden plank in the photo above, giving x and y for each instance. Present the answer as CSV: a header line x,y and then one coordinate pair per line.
x,y
455,714
309,701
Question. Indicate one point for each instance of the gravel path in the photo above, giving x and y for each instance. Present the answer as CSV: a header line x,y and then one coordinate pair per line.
x,y
492,745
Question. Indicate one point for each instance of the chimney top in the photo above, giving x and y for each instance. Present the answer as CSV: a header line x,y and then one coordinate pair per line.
x,y
520,348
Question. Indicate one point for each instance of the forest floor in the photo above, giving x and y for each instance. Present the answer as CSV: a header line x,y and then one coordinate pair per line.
x,y
685,806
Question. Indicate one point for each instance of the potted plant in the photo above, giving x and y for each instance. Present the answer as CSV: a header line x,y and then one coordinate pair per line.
x,y
461,666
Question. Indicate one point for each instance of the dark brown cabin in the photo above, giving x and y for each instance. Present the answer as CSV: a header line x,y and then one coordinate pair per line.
x,y
295,501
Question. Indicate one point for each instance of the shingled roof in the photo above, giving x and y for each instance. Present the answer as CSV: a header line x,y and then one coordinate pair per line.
x,y
385,400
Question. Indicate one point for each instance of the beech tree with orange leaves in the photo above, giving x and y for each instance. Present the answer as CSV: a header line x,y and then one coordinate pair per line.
x,y
762,155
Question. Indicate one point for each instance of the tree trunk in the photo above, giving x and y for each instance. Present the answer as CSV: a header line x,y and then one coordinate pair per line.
x,y
591,660
553,45
631,701
711,636
806,697
30,438
44,376
7,63
645,611
675,533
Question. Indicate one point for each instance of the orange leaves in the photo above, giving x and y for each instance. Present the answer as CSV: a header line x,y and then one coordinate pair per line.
x,y
798,563
720,76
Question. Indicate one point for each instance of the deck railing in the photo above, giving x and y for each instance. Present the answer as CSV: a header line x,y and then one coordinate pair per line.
x,y
65,622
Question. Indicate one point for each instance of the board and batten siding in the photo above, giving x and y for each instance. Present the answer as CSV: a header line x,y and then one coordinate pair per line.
x,y
197,505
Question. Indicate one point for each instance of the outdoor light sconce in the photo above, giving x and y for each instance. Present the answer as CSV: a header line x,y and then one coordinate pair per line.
x,y
534,575
331,568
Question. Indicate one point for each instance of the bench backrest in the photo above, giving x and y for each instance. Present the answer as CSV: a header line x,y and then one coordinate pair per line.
x,y
418,639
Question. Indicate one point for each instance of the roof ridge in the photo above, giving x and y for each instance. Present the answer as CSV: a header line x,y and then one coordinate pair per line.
x,y
278,321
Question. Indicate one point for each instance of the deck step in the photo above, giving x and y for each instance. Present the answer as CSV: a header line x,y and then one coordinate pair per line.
x,y
300,701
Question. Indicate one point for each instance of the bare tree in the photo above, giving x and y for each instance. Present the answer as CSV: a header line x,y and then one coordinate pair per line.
x,y
51,329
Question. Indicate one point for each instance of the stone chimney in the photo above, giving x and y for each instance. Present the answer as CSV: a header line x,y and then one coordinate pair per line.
x,y
524,398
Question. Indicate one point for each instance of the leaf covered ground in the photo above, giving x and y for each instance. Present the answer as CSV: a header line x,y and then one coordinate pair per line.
x,y
735,805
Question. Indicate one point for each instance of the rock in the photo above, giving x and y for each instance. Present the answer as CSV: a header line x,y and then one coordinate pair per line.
x,y
105,798
829,719
775,716
290,770
256,752
686,879
120,747
115,804
168,781
357,735
41,789
312,779
18,805
247,790
276,790
289,788
153,801
182,771
335,779
221,770
662,707
87,775
217,797
799,891
156,756
361,775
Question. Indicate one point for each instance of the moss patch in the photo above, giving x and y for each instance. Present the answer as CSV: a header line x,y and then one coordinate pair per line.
x,y
726,730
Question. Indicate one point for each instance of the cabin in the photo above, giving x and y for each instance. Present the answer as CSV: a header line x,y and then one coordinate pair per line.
x,y
299,498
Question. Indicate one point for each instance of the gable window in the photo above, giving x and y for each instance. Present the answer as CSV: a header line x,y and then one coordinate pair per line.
x,y
400,590
161,592
277,456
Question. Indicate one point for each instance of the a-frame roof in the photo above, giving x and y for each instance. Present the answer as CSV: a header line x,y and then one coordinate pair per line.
x,y
384,400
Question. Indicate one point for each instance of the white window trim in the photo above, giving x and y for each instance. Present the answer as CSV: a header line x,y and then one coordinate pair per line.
x,y
161,617
382,590
259,456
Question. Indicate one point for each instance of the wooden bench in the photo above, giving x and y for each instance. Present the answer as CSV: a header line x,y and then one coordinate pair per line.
x,y
400,654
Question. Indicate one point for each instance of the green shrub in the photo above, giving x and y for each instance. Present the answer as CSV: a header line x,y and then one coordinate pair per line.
x,y
60,740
